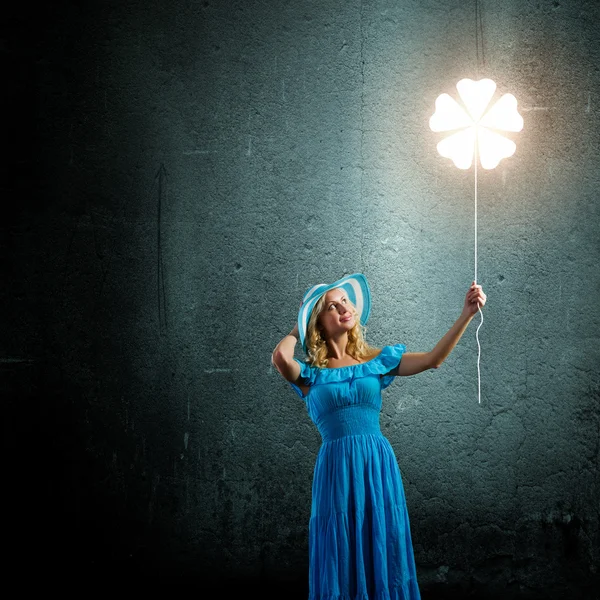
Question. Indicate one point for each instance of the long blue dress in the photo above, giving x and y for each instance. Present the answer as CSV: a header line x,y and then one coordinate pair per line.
x,y
360,546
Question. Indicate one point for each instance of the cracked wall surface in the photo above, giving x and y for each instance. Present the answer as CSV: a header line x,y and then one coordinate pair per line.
x,y
182,172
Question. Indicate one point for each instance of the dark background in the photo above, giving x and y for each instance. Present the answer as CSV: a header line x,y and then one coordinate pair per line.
x,y
177,175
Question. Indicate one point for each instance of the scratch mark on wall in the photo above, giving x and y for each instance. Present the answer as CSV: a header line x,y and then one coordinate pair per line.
x,y
161,176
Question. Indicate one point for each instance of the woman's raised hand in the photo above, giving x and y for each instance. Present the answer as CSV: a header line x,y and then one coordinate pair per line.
x,y
474,300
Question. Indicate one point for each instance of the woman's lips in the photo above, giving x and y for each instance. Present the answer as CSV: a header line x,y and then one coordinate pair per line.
x,y
346,319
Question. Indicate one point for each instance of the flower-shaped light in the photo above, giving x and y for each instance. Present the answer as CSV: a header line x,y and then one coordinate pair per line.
x,y
478,123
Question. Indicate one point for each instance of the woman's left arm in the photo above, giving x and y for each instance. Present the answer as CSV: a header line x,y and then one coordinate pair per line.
x,y
416,362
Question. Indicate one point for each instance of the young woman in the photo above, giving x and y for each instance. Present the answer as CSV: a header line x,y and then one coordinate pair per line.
x,y
360,546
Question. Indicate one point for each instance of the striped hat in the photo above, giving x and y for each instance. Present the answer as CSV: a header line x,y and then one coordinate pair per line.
x,y
357,290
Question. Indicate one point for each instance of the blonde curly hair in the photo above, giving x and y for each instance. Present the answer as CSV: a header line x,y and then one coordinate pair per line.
x,y
316,345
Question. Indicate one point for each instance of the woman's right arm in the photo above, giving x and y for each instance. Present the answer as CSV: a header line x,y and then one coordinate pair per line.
x,y
283,356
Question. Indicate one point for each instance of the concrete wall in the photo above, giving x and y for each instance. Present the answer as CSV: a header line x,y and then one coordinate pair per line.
x,y
181,172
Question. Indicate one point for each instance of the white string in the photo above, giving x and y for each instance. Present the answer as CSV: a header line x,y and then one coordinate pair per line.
x,y
481,323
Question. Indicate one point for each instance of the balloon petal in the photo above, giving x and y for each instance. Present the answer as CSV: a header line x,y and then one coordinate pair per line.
x,y
476,95
503,115
459,147
493,147
449,115
481,122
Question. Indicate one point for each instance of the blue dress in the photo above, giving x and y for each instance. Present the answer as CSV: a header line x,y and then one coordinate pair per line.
x,y
360,546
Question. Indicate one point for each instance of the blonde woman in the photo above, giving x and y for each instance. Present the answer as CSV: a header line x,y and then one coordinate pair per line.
x,y
360,546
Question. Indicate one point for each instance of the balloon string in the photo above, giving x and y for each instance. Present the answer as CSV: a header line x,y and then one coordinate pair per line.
x,y
481,323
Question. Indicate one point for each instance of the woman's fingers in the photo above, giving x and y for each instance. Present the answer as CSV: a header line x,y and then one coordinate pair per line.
x,y
476,295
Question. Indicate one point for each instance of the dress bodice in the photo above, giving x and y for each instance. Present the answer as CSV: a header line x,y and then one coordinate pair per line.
x,y
346,400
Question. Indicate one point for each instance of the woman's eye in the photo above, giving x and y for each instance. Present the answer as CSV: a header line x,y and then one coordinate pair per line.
x,y
344,300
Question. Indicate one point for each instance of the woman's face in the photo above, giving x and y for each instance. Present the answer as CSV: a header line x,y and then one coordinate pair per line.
x,y
338,314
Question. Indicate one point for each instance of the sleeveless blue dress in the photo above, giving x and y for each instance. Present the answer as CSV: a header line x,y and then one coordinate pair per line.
x,y
360,546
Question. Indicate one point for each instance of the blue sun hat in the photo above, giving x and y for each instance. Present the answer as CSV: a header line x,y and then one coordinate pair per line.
x,y
357,290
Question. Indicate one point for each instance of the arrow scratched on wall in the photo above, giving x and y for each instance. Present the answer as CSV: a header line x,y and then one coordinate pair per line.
x,y
162,177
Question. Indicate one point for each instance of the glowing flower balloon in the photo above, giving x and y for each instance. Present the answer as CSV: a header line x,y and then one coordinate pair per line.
x,y
477,124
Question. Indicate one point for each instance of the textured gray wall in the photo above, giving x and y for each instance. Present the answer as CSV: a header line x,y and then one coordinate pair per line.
x,y
182,173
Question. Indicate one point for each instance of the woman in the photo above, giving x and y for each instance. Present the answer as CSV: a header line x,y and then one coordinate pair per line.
x,y
360,546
